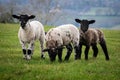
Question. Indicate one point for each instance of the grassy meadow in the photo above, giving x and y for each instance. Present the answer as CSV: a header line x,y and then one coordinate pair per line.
x,y
14,67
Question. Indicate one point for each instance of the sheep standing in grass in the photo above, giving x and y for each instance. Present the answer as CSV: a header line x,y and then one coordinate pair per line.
x,y
90,37
61,36
28,33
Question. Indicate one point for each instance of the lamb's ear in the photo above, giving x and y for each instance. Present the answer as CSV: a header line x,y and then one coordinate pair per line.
x,y
15,16
91,21
45,50
78,20
32,16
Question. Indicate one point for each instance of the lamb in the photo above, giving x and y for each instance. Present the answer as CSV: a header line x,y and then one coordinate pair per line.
x,y
57,38
90,37
28,33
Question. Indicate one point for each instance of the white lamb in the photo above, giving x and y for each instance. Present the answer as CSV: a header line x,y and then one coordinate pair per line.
x,y
61,36
28,33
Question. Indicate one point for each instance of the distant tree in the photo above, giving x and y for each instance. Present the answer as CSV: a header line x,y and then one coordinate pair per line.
x,y
45,10
6,10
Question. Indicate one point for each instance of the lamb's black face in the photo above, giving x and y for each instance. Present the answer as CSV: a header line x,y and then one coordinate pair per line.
x,y
52,54
23,19
84,24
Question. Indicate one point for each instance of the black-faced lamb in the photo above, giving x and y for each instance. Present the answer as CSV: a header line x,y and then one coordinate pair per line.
x,y
57,38
30,31
90,37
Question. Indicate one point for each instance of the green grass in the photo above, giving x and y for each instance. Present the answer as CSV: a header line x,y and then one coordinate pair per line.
x,y
13,67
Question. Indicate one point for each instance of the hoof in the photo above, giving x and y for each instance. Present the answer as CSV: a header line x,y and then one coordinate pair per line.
x,y
77,58
24,56
107,59
28,57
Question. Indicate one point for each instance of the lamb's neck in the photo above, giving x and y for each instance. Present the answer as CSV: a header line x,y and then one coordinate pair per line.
x,y
27,30
27,27
82,34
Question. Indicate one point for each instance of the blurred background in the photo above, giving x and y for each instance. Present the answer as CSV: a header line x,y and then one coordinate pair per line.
x,y
57,12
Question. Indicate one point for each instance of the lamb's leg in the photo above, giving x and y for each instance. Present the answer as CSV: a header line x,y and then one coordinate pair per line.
x,y
69,51
78,51
86,52
104,47
42,48
24,49
95,50
30,50
80,46
60,54
24,53
77,54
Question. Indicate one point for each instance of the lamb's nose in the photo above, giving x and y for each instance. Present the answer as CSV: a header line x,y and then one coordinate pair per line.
x,y
23,24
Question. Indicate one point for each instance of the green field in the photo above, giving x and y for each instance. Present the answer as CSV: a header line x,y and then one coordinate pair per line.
x,y
14,67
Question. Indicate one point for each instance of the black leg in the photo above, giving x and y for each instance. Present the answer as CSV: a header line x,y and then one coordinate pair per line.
x,y
69,51
24,51
104,47
78,52
95,50
29,52
60,54
86,52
